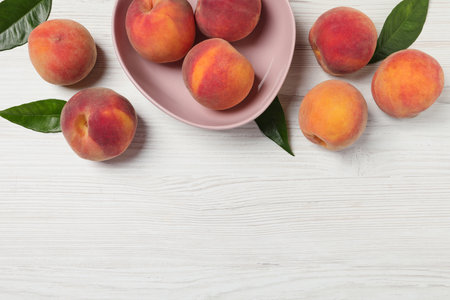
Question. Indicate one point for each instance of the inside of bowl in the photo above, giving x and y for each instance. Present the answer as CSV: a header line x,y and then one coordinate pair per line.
x,y
269,49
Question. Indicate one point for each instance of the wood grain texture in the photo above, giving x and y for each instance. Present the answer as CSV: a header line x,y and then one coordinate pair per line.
x,y
188,213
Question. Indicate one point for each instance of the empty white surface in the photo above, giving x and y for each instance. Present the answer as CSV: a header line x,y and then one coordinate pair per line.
x,y
188,213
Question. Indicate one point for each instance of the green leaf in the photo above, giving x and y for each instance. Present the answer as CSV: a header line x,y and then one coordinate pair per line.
x,y
273,124
41,116
18,18
401,28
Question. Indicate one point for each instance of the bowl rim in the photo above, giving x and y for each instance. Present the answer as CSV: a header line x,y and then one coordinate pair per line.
x,y
274,93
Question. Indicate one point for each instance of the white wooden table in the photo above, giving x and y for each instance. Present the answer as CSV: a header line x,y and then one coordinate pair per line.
x,y
188,213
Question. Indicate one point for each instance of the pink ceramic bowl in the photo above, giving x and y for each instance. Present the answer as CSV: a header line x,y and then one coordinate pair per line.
x,y
269,48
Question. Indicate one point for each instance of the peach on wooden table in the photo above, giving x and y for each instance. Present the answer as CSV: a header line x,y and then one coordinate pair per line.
x,y
333,114
63,52
231,20
343,40
98,123
161,30
407,83
217,75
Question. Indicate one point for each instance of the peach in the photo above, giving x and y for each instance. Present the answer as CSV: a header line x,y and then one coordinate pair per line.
x,y
98,123
333,114
343,40
231,20
407,83
161,30
63,52
217,75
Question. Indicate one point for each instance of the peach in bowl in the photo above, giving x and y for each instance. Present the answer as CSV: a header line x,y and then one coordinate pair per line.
x,y
269,49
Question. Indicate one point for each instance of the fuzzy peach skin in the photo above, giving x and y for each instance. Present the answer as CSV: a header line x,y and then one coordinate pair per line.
x,y
343,40
407,83
63,52
333,114
231,20
217,75
98,123
161,30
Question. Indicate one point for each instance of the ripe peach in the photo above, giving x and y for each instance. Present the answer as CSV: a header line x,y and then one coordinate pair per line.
x,y
343,40
217,75
333,114
63,52
407,83
98,123
161,30
231,20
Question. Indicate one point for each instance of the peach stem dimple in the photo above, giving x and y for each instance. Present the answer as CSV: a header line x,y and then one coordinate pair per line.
x,y
316,51
316,140
56,38
147,6
82,125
